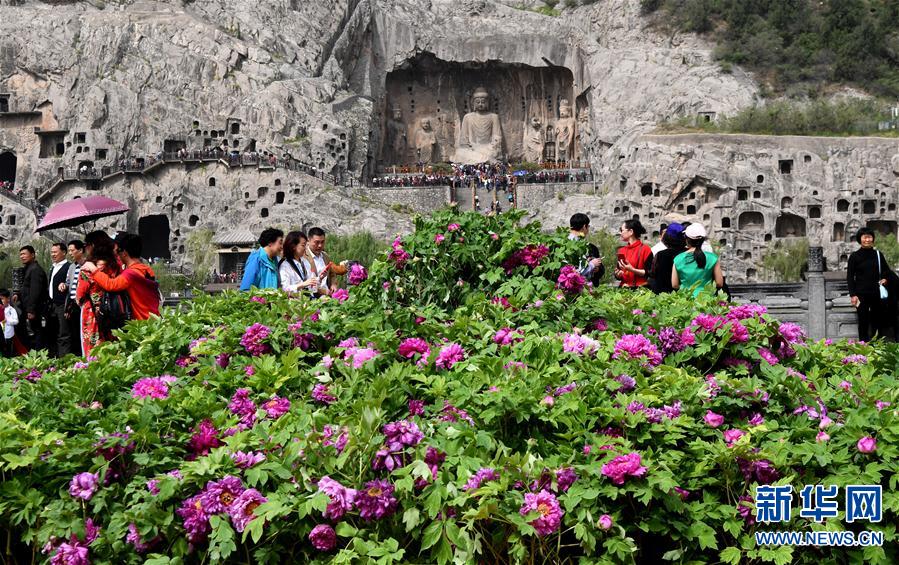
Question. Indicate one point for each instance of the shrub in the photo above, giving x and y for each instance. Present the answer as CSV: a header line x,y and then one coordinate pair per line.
x,y
455,406
786,261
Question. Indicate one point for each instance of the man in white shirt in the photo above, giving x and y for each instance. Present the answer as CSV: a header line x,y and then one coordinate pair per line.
x,y
73,310
320,262
58,290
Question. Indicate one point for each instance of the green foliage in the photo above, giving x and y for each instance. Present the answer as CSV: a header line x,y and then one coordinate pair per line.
x,y
803,43
9,258
361,246
786,261
889,246
170,279
844,117
500,406
202,254
608,244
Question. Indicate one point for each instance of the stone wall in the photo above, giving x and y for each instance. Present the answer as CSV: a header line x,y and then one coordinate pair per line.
x,y
532,197
423,199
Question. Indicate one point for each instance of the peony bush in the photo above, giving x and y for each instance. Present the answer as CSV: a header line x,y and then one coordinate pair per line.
x,y
470,398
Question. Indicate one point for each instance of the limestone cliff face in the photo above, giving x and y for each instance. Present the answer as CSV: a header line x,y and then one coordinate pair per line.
x,y
91,83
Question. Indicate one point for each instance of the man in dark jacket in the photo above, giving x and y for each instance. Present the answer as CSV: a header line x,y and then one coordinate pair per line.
x,y
34,296
58,333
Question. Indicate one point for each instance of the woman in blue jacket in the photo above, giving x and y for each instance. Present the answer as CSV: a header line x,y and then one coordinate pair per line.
x,y
261,270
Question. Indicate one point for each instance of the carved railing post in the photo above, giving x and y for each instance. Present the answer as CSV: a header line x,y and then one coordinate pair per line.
x,y
817,310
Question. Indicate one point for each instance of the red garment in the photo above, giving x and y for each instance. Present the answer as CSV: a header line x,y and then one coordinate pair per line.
x,y
140,282
637,254
89,295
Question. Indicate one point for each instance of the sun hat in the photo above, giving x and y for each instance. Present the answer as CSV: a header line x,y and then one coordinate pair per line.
x,y
695,231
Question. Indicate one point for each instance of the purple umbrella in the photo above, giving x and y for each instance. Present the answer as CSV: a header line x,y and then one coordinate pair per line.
x,y
79,211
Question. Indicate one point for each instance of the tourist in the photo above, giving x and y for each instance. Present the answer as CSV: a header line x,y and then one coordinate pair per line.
x,y
58,333
33,297
663,260
635,258
660,245
294,268
320,264
261,269
591,267
868,276
137,278
72,310
10,319
100,251
695,268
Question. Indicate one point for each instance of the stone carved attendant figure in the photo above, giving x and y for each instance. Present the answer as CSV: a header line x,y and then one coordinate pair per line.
x,y
534,141
425,142
565,130
396,137
480,136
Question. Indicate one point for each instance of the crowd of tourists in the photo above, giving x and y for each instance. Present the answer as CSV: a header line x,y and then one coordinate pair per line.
x,y
77,302
500,176
104,282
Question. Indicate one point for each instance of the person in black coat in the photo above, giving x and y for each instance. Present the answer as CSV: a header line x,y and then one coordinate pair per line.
x,y
866,272
663,262
33,296
591,266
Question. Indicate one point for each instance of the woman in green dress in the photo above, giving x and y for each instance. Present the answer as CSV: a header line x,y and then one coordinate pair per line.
x,y
695,268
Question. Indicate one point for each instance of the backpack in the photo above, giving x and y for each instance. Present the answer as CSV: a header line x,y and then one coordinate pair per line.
x,y
113,311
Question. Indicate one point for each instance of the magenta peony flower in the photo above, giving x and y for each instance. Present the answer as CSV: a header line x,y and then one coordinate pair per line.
x,y
746,311
756,420
856,359
628,383
247,459
376,501
450,413
152,387
416,407
84,485
243,508
792,333
881,404
605,522
866,444
397,437
453,227
220,495
342,498
712,419
506,336
329,432
322,394
483,475
565,477
564,389
410,347
570,280
822,436
134,539
223,360
438,238
243,407
433,459
196,519
673,340
360,355
398,256
636,346
732,436
276,407
707,322
254,338
204,439
323,537
547,507
738,333
73,552
356,275
449,355
548,400
258,300
745,505
768,356
340,295
619,468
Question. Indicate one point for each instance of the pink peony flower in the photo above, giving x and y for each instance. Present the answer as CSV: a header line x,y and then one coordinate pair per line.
x,y
416,407
570,280
449,355
276,407
768,356
73,552
453,227
398,256
483,475
866,444
196,519
565,477
605,522
792,333
855,359
549,513
623,466
732,436
357,274
323,537
506,336
822,436
204,439
412,346
242,511
241,406
84,485
340,295
756,420
712,419
341,498
220,495
152,387
134,539
579,344
254,338
438,238
637,346
247,459
322,395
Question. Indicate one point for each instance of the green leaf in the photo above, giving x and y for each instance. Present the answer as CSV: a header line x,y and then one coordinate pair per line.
x,y
411,518
731,555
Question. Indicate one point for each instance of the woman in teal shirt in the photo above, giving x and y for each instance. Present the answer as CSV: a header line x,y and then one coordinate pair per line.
x,y
695,267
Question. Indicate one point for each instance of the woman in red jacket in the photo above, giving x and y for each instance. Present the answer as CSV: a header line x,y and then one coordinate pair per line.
x,y
635,258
